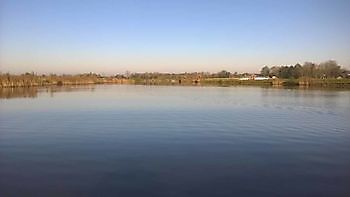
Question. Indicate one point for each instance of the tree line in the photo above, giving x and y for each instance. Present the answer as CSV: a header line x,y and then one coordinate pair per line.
x,y
328,69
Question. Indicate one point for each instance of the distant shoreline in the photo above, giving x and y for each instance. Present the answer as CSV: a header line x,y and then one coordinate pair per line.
x,y
324,74
29,80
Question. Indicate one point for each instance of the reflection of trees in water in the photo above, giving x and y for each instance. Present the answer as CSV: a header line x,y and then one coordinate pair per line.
x,y
72,88
30,92
77,88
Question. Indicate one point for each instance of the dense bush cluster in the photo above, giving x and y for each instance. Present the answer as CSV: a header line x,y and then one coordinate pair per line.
x,y
328,69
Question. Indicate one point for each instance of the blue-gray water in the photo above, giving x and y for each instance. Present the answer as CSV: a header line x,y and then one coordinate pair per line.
x,y
174,141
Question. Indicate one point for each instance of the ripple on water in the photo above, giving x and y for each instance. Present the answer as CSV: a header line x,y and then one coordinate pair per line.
x,y
176,141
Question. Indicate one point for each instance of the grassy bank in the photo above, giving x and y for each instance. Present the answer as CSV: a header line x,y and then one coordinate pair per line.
x,y
332,83
233,82
341,83
29,80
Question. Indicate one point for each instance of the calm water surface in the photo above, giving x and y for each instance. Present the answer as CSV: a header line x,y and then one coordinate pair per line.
x,y
174,141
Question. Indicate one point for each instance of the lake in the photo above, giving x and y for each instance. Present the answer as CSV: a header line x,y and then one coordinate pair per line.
x,y
128,140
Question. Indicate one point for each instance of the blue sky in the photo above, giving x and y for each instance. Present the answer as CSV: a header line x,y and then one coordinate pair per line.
x,y
170,36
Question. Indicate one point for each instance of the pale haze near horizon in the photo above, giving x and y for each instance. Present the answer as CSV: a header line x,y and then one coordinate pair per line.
x,y
170,36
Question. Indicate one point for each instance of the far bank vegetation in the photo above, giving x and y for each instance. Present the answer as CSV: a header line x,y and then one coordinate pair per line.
x,y
328,73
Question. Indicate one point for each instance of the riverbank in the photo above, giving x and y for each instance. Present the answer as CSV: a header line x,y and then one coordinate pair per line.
x,y
303,82
11,81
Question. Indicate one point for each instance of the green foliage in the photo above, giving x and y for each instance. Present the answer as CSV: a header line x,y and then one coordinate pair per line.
x,y
328,69
265,71
223,74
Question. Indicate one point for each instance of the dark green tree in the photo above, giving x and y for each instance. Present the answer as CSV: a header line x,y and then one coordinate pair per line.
x,y
265,71
297,71
309,70
330,69
275,71
223,74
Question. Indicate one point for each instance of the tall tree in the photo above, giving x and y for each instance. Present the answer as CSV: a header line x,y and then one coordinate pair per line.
x,y
223,74
265,71
275,71
297,72
309,69
330,69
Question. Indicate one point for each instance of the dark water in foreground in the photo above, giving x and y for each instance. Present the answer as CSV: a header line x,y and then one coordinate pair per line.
x,y
175,141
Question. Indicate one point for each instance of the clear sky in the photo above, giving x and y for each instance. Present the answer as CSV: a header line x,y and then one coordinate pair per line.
x,y
71,36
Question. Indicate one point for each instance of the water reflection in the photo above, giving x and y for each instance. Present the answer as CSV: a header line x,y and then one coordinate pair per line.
x,y
302,91
32,92
7,93
134,140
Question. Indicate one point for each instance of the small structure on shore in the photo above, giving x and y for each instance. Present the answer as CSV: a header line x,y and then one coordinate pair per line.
x,y
261,78
254,77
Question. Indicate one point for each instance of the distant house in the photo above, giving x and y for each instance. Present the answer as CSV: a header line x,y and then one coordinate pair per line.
x,y
254,77
261,78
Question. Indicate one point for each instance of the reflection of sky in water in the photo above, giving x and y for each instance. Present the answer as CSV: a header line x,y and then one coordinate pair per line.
x,y
180,141
119,97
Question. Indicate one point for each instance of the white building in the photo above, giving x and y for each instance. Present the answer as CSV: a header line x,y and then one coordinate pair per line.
x,y
261,78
